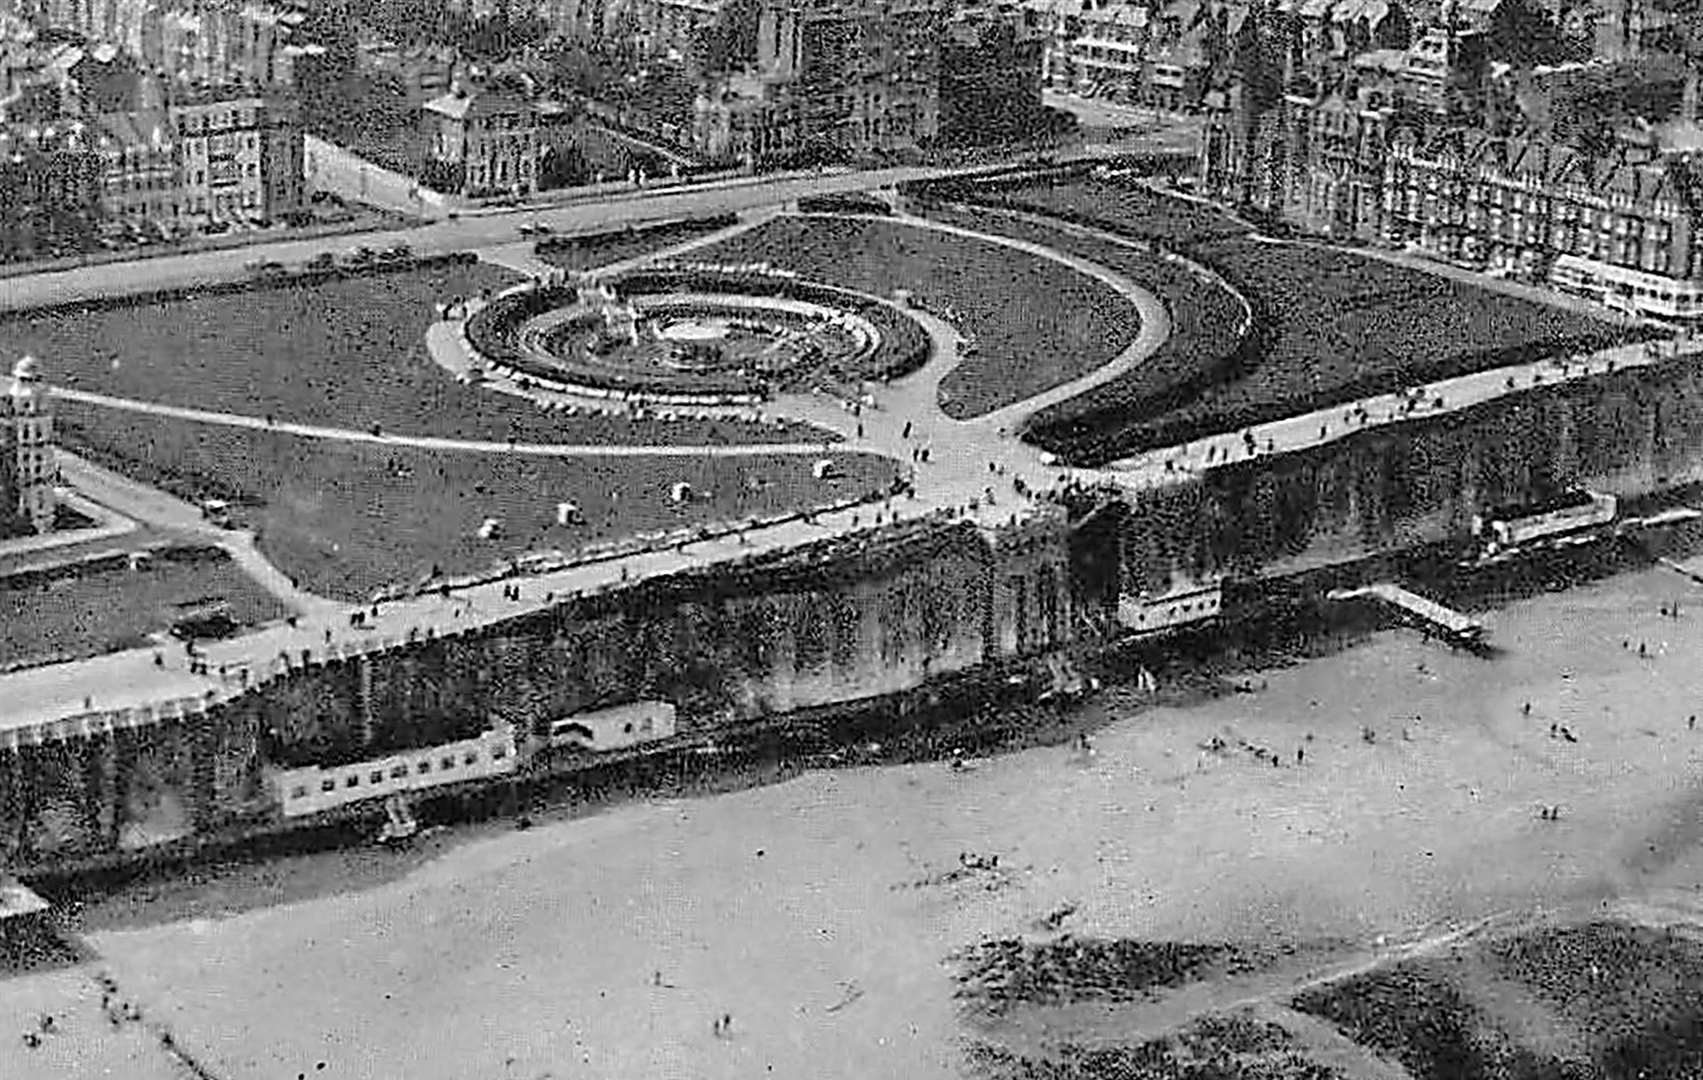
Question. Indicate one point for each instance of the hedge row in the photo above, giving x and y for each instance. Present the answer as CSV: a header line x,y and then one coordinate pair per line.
x,y
650,234
303,276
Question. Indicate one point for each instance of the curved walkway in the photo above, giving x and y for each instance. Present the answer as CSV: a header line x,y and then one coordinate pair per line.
x,y
1154,329
432,442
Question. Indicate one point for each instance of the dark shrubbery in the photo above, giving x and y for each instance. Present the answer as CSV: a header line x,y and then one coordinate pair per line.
x,y
846,202
997,975
587,251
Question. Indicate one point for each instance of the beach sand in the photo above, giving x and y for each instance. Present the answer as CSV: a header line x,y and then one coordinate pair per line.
x,y
819,912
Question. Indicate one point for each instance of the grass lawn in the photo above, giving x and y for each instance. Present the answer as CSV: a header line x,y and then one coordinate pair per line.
x,y
348,353
347,519
98,611
1202,347
1036,323
1331,326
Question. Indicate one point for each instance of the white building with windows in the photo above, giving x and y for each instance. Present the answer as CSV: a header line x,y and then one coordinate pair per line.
x,y
27,465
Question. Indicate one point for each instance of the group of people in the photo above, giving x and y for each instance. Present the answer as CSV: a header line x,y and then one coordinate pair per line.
x,y
117,1011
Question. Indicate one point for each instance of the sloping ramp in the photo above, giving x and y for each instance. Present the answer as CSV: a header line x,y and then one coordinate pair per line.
x,y
1442,620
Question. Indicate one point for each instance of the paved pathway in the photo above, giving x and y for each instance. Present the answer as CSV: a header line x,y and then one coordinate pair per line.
x,y
433,442
520,257
108,525
163,510
1323,426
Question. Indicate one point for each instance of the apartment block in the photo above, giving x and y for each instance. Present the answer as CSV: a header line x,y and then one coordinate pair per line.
x,y
240,155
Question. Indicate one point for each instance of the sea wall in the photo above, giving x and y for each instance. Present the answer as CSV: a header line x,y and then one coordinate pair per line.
x,y
836,622
1416,483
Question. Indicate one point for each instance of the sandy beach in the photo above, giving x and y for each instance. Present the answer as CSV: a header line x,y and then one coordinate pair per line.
x,y
820,913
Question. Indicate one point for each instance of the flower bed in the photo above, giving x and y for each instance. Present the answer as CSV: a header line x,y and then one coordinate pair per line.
x,y
1035,323
1138,210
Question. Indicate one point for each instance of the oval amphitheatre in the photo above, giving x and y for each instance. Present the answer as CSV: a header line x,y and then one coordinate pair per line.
x,y
695,335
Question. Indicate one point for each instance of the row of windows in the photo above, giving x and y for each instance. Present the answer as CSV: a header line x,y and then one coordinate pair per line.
x,y
204,122
500,123
422,767
1522,192
141,183
250,169
1473,217
1519,203
1203,607
219,144
199,204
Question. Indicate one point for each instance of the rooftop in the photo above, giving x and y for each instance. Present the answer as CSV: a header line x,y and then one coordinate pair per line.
x,y
137,130
460,105
17,900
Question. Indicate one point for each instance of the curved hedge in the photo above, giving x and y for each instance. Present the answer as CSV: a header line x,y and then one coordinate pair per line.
x,y
305,274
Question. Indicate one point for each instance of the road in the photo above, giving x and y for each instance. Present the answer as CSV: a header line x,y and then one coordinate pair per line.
x,y
1096,113
469,233
332,168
